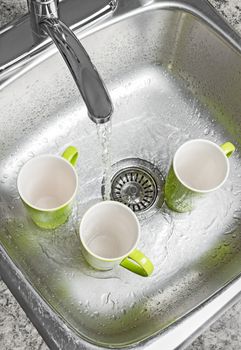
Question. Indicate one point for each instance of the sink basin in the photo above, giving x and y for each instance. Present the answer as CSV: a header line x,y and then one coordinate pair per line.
x,y
174,73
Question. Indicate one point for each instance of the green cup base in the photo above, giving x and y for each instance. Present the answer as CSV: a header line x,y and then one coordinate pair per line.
x,y
178,209
48,226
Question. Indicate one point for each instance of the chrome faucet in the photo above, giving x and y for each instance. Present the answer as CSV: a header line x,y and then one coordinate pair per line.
x,y
45,21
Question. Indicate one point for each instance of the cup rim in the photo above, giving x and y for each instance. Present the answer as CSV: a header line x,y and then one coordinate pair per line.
x,y
190,187
55,208
109,202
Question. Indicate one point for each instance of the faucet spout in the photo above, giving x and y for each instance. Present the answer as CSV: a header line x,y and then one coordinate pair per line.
x,y
44,18
86,76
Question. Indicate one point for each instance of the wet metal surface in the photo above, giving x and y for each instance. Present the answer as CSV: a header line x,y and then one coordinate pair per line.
x,y
163,95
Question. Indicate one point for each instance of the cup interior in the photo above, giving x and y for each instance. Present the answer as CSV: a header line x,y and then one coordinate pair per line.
x,y
109,230
201,165
47,182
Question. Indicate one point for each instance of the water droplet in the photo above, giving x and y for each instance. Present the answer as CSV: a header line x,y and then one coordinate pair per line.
x,y
206,131
30,154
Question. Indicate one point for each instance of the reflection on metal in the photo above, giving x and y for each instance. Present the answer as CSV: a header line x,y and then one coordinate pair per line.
x,y
166,69
24,33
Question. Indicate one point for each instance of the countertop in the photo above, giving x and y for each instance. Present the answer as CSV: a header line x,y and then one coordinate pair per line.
x,y
17,332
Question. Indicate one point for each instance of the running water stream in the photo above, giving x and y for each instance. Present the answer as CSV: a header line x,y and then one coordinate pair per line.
x,y
104,135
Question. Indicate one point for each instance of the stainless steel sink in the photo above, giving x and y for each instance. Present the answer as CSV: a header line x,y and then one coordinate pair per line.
x,y
173,70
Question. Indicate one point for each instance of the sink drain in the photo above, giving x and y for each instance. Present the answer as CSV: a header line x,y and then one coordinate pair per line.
x,y
137,183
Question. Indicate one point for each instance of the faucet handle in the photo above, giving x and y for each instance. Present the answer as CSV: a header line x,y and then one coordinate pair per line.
x,y
39,10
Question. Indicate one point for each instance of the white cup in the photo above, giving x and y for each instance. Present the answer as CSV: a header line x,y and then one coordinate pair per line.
x,y
109,233
199,167
47,185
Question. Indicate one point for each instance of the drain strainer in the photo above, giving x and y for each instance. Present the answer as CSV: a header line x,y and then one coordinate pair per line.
x,y
136,183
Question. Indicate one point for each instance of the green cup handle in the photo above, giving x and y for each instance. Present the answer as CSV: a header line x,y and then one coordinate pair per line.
x,y
71,154
228,148
138,263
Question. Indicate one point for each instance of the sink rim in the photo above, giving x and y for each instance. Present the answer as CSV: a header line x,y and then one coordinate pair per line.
x,y
224,297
